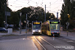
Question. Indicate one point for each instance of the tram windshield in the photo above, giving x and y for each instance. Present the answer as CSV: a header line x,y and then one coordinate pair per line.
x,y
35,26
54,26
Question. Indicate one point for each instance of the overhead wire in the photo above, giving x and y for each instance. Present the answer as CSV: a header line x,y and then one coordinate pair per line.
x,y
37,3
33,2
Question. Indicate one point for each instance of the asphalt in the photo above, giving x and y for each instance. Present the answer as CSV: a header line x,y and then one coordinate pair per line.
x,y
17,44
25,43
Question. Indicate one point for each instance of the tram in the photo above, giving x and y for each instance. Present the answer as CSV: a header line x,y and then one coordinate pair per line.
x,y
51,27
36,27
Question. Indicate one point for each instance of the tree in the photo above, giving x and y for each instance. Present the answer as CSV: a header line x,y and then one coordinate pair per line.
x,y
67,8
49,16
2,11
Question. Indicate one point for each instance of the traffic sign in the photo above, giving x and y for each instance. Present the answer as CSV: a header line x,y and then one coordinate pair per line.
x,y
7,13
68,16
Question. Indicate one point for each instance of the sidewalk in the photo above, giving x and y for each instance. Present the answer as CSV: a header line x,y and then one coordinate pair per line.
x,y
71,35
14,33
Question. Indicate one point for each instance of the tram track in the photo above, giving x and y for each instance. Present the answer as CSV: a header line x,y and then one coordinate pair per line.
x,y
43,48
65,44
45,44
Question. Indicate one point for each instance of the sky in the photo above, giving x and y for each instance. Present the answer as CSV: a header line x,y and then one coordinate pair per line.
x,y
53,6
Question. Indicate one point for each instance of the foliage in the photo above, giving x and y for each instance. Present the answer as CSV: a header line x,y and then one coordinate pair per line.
x,y
67,8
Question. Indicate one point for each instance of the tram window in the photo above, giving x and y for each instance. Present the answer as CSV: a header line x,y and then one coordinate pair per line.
x,y
54,26
36,26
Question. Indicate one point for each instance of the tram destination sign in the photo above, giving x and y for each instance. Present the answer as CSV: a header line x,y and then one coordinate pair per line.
x,y
36,23
54,22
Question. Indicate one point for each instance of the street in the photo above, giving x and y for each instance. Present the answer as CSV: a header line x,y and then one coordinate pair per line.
x,y
37,24
42,42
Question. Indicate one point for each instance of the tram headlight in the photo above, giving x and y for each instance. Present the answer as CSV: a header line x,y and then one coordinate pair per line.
x,y
33,30
39,30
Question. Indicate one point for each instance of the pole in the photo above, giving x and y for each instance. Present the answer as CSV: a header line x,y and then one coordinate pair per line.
x,y
5,15
57,15
45,12
26,25
67,23
67,30
20,22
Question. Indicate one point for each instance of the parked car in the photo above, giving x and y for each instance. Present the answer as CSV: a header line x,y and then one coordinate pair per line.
x,y
3,29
